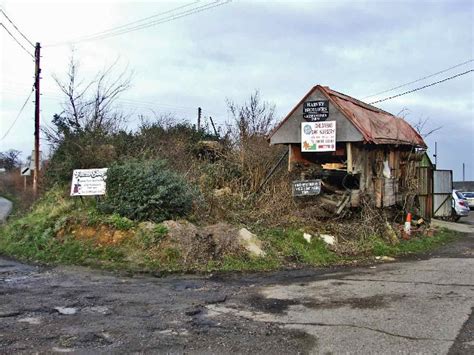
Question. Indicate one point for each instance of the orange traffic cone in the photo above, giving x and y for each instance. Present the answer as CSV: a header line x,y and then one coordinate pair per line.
x,y
407,228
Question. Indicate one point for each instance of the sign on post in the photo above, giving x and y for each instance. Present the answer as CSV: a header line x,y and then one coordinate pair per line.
x,y
306,187
317,110
318,136
25,171
88,182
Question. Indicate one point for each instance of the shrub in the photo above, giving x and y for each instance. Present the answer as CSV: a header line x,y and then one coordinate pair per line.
x,y
146,190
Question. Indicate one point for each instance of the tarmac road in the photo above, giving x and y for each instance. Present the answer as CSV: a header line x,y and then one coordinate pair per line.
x,y
422,305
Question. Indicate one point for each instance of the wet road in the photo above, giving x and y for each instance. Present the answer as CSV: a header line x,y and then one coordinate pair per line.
x,y
411,306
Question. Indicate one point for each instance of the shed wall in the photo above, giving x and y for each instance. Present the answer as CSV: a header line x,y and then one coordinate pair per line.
x,y
290,131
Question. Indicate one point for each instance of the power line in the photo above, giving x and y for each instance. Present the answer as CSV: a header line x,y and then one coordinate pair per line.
x,y
18,115
420,79
423,87
113,29
157,22
169,18
4,14
16,40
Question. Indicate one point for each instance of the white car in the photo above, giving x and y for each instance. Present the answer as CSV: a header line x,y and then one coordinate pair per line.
x,y
460,206
470,199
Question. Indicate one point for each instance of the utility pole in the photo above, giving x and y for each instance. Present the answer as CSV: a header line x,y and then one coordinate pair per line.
x,y
37,117
213,126
435,155
463,172
199,119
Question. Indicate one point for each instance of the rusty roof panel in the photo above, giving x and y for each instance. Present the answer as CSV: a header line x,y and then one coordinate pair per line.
x,y
376,125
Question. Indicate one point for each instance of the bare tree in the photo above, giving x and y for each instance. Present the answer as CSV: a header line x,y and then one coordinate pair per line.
x,y
89,107
422,127
10,159
255,118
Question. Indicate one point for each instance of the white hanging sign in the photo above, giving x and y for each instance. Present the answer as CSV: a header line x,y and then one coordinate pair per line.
x,y
318,136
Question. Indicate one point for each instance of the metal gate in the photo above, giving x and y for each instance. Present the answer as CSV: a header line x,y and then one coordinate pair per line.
x,y
425,191
442,193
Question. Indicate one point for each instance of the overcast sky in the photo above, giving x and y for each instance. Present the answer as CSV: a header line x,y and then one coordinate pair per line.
x,y
281,48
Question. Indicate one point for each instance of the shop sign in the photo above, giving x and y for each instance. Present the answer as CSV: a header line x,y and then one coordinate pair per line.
x,y
318,136
317,110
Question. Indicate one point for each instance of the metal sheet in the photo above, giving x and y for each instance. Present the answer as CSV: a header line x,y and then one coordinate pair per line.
x,y
442,192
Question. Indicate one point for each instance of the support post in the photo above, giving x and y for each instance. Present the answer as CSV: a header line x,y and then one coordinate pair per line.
x,y
349,157
37,118
199,119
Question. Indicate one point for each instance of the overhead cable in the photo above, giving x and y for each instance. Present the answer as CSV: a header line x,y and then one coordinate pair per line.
x,y
16,28
114,29
17,40
423,87
420,79
126,29
18,115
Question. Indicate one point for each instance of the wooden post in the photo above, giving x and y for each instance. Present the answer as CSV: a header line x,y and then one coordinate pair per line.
x,y
349,157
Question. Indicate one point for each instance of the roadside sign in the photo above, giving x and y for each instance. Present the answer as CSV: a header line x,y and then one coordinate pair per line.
x,y
88,182
25,171
306,187
318,136
317,110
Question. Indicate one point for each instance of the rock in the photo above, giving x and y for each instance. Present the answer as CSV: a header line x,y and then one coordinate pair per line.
x,y
250,242
328,239
66,310
307,237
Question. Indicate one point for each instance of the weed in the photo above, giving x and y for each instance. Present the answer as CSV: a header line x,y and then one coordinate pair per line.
x,y
119,222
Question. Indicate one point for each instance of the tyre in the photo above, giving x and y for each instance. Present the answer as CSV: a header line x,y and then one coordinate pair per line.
x,y
454,216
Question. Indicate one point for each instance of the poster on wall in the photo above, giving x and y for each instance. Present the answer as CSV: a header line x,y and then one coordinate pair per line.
x,y
316,110
88,182
318,136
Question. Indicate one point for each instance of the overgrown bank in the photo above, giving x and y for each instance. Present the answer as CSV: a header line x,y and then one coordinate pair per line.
x,y
60,230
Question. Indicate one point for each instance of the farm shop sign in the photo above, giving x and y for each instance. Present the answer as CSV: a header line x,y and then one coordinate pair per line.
x,y
88,182
315,111
318,136
306,187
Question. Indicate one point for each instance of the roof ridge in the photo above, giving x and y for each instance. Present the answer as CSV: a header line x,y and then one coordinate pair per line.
x,y
357,101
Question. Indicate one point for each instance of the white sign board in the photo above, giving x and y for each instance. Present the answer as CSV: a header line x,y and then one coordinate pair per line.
x,y
25,171
88,182
318,136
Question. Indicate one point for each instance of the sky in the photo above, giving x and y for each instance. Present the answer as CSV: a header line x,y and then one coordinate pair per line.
x,y
281,48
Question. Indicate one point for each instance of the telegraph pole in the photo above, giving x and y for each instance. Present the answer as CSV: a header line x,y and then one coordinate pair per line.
x,y
37,117
199,119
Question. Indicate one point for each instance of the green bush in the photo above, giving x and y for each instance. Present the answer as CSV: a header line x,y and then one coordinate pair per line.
x,y
146,190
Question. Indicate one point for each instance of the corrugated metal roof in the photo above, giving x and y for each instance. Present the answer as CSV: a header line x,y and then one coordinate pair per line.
x,y
377,126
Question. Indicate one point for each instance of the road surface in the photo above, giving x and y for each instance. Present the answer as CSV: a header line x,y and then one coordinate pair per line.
x,y
410,306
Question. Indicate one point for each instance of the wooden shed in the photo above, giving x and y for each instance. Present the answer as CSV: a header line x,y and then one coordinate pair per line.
x,y
369,156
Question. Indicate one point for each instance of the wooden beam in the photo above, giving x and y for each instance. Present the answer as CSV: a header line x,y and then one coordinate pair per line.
x,y
349,157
